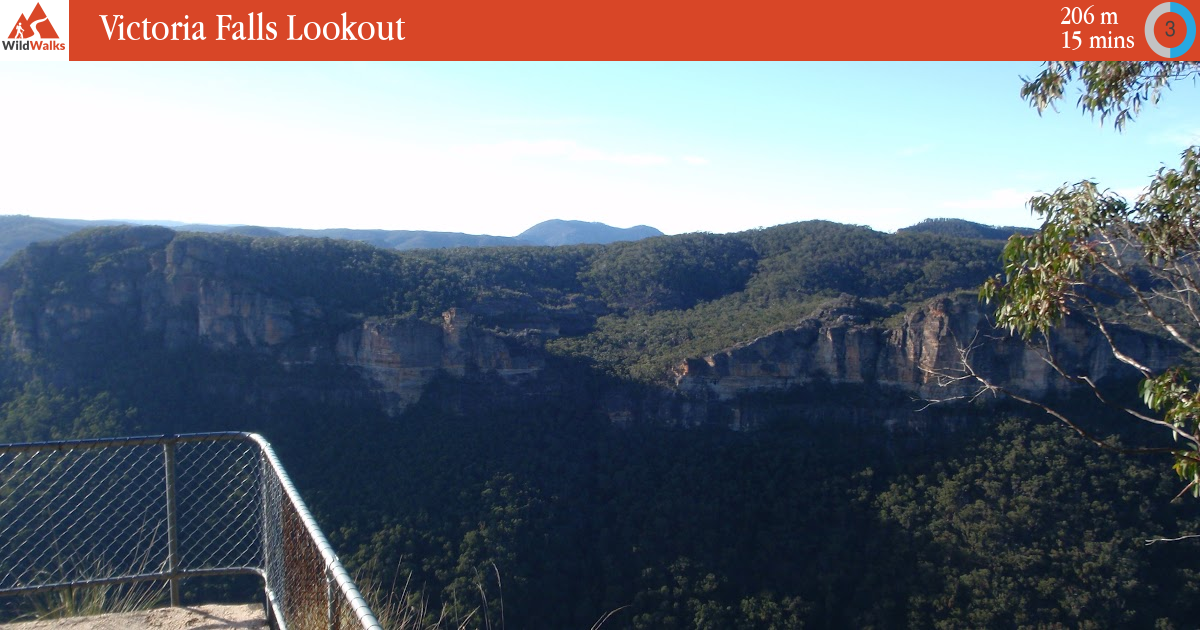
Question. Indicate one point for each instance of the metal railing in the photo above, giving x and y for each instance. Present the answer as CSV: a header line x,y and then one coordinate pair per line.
x,y
131,510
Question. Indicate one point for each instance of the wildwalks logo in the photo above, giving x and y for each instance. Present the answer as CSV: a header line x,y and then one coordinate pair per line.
x,y
33,33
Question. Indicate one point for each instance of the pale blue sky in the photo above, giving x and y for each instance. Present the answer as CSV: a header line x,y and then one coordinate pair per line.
x,y
497,147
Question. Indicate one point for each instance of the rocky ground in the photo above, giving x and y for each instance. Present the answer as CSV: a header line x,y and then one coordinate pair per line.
x,y
192,618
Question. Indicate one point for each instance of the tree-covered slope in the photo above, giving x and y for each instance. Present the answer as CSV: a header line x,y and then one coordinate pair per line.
x,y
845,507
634,307
965,229
17,231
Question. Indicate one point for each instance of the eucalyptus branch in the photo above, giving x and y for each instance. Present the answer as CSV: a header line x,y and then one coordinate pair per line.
x,y
1049,358
1112,344
1183,282
1190,485
1150,312
1151,541
969,373
1181,297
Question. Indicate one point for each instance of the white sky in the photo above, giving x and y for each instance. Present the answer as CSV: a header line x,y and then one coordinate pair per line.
x,y
493,148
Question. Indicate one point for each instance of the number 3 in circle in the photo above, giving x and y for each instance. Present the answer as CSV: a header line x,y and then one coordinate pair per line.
x,y
1188,22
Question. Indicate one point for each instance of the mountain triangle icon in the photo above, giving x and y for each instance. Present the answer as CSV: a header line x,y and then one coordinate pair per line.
x,y
36,24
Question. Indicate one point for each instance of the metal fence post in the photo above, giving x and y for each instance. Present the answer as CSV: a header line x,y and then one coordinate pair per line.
x,y
331,621
172,525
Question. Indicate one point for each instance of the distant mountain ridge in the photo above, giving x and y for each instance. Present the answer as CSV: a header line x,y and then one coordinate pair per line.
x,y
559,232
966,229
17,231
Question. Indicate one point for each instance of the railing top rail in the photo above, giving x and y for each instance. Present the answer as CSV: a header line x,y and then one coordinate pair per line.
x,y
143,440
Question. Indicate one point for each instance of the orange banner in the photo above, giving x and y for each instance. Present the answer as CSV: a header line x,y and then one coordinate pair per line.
x,y
626,30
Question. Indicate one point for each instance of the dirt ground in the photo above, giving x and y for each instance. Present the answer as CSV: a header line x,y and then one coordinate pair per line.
x,y
192,618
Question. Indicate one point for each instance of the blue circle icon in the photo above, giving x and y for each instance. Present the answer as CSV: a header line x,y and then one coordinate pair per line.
x,y
1188,20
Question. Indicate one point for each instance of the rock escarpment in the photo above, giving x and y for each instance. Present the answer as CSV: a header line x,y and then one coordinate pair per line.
x,y
190,293
177,293
921,356
184,292
401,356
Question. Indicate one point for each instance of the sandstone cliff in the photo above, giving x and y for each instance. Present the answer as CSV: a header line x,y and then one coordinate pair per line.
x,y
401,356
920,356
181,293
184,291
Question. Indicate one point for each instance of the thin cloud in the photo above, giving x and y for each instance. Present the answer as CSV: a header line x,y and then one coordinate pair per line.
x,y
916,150
568,121
563,149
1178,137
1002,199
1131,194
692,159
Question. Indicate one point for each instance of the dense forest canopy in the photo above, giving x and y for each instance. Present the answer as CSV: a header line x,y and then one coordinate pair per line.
x,y
713,290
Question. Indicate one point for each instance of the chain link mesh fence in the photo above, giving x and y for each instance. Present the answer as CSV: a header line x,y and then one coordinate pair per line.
x,y
114,512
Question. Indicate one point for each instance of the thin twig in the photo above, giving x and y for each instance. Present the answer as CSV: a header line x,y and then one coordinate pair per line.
x,y
1151,541
968,372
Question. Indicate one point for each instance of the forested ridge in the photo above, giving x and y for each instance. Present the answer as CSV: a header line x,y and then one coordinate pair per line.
x,y
17,231
650,302
845,507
